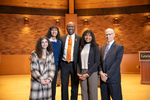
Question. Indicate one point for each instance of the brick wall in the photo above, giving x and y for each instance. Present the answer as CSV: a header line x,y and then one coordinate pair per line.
x,y
17,38
132,32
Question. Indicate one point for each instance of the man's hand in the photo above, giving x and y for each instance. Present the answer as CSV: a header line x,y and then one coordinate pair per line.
x,y
103,76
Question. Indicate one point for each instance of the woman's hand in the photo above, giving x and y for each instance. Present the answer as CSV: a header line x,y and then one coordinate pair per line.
x,y
48,81
82,77
79,75
43,82
31,58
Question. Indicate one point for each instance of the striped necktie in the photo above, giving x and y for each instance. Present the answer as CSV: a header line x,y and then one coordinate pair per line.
x,y
106,50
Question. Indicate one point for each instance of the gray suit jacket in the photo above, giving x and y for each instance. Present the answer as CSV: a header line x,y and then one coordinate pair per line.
x,y
111,64
76,48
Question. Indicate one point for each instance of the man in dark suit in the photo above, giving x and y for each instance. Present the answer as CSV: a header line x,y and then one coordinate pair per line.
x,y
70,42
111,56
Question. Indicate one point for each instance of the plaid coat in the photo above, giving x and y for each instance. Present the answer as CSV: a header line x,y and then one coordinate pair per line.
x,y
39,72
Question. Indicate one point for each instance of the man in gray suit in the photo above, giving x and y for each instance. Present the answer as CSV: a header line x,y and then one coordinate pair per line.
x,y
69,67
111,56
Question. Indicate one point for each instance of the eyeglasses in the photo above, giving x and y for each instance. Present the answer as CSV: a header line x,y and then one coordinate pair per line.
x,y
108,34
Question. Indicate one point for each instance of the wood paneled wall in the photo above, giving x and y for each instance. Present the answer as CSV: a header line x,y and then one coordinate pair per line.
x,y
89,4
79,4
20,64
15,65
130,64
54,4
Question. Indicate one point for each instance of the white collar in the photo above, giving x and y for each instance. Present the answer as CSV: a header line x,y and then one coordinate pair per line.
x,y
110,43
88,44
73,35
51,40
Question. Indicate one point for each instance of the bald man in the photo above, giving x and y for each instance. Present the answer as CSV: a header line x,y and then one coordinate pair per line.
x,y
111,56
69,67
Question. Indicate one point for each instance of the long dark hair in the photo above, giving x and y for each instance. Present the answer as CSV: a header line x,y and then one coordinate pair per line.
x,y
83,42
38,47
49,35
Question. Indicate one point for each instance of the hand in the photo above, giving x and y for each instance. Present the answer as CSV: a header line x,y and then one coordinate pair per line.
x,y
84,76
43,82
47,81
79,75
103,77
31,58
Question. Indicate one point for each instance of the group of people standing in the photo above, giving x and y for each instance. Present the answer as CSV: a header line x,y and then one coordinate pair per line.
x,y
79,57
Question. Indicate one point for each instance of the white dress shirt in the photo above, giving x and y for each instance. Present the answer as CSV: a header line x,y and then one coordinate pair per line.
x,y
66,46
110,44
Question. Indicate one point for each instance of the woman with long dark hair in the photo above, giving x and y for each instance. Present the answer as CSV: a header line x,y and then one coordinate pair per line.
x,y
54,37
42,70
88,66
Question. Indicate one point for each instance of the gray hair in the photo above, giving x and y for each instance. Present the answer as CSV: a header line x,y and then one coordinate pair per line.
x,y
109,29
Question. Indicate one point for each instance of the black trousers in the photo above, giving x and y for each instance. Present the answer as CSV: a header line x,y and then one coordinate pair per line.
x,y
68,69
113,90
54,84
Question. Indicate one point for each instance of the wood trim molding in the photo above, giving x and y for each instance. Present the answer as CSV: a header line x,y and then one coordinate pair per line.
x,y
32,11
79,12
71,6
114,10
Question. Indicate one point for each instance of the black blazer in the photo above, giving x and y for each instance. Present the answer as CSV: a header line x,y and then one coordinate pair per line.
x,y
111,64
76,48
93,60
